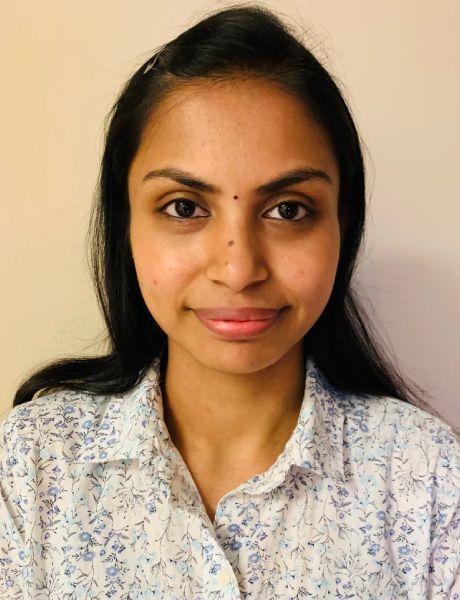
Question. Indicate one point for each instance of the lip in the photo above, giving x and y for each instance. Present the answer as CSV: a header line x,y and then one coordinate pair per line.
x,y
246,313
238,323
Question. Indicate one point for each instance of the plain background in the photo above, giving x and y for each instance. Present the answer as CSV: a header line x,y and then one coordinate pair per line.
x,y
62,65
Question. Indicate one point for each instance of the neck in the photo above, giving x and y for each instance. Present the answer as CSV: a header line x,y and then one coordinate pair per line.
x,y
222,416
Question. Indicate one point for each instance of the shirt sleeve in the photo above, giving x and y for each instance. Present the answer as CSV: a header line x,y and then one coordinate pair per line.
x,y
444,568
13,556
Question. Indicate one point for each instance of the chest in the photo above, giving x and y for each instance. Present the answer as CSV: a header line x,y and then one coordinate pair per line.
x,y
309,536
214,484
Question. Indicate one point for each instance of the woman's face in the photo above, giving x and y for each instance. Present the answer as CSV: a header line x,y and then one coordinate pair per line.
x,y
244,216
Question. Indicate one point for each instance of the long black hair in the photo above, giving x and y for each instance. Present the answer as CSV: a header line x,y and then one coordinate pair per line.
x,y
248,41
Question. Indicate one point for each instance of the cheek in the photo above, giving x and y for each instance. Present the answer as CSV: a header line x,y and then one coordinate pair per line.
x,y
312,273
161,272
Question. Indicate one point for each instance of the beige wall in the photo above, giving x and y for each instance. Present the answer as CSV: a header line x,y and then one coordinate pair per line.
x,y
62,64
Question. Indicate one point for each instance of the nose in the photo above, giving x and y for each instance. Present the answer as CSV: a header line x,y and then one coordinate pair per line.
x,y
236,257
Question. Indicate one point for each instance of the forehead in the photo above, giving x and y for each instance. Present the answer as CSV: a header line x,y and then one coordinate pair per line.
x,y
236,122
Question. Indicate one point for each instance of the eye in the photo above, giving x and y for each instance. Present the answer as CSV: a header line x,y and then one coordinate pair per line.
x,y
290,211
183,209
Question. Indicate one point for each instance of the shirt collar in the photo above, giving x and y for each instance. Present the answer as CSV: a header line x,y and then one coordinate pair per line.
x,y
123,426
131,425
317,441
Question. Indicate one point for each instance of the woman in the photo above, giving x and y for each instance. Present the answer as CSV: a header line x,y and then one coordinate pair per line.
x,y
245,437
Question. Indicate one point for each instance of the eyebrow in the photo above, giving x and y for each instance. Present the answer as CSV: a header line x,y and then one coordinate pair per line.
x,y
282,181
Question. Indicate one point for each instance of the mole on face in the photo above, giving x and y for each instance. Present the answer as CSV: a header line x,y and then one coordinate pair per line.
x,y
231,242
235,197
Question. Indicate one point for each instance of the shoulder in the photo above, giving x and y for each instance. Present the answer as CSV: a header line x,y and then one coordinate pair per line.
x,y
66,424
401,422
386,422
407,439
44,420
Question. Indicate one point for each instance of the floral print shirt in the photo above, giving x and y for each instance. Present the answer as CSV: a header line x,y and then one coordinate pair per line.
x,y
97,503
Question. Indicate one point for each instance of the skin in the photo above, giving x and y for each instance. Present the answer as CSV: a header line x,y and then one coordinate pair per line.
x,y
231,405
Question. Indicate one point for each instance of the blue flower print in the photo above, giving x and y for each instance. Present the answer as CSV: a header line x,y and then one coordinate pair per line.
x,y
150,507
70,569
94,502
215,568
88,556
235,545
374,549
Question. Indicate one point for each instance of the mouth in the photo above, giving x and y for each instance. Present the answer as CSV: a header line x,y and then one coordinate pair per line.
x,y
238,323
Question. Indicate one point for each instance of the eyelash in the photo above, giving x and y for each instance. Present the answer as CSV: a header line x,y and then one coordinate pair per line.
x,y
309,212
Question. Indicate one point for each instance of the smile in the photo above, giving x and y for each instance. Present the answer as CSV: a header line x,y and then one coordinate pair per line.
x,y
238,323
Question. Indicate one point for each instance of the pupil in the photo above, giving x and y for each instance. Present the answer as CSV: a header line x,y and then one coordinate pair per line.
x,y
288,211
185,208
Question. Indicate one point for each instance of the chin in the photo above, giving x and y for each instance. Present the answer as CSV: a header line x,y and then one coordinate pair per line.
x,y
243,358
